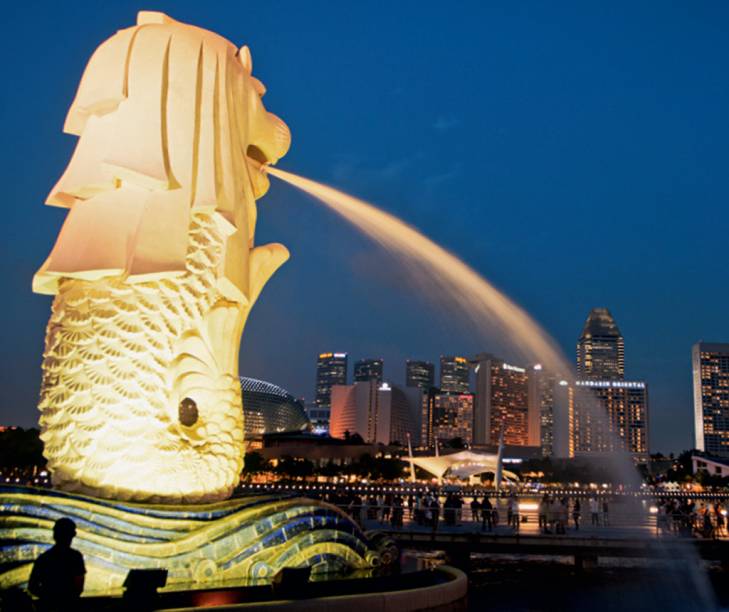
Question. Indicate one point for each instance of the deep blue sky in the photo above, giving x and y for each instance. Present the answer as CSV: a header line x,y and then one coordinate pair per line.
x,y
575,153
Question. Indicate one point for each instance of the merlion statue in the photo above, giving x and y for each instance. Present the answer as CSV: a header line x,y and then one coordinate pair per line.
x,y
154,271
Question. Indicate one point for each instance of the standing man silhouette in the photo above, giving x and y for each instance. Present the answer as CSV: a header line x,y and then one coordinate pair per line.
x,y
58,574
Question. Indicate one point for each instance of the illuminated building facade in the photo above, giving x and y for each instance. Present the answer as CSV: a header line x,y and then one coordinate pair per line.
x,y
601,349
607,412
502,402
454,375
331,369
609,416
450,415
368,369
419,374
542,398
710,363
380,413
563,424
268,408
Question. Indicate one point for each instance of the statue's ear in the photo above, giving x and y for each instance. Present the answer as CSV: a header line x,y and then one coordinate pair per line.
x,y
147,17
245,59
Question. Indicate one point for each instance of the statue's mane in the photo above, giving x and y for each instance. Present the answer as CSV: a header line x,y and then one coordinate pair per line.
x,y
164,118
155,107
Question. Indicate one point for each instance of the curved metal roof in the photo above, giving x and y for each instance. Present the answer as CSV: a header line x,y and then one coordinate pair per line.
x,y
254,385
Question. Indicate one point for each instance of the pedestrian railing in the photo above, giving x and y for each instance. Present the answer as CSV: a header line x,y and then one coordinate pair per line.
x,y
621,522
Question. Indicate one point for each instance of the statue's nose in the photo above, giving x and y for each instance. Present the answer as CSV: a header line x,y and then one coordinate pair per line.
x,y
270,139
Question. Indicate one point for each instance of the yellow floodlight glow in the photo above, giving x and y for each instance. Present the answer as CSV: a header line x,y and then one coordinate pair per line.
x,y
154,272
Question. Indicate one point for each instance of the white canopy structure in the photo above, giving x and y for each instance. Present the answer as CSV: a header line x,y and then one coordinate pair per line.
x,y
463,464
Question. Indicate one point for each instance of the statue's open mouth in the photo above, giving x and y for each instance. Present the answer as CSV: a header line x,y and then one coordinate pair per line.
x,y
257,162
269,141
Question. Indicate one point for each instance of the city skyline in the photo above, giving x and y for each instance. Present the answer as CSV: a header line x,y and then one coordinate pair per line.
x,y
600,412
592,126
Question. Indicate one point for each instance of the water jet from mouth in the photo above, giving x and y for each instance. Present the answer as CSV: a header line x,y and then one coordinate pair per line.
x,y
453,280
443,274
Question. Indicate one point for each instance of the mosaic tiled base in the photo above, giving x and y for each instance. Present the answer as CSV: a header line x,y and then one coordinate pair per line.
x,y
244,539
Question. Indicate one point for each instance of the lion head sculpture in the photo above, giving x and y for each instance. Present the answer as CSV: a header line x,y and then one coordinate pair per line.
x,y
155,270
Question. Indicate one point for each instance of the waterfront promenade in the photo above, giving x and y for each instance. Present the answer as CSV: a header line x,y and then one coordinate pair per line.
x,y
630,514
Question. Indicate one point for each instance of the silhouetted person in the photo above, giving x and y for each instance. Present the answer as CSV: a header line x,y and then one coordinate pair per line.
x,y
576,514
58,574
487,515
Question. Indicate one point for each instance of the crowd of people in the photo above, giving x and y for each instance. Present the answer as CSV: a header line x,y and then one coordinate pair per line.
x,y
424,509
685,517
555,514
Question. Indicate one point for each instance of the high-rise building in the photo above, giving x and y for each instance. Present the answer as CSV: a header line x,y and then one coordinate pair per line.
x,y
368,369
419,374
450,415
454,374
542,398
563,423
600,349
380,413
711,397
607,413
610,416
331,369
502,402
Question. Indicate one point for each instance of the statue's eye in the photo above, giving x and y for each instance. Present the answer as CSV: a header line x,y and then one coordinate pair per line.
x,y
188,412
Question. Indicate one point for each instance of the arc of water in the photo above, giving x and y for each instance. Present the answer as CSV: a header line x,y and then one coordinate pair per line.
x,y
454,281
460,284
427,260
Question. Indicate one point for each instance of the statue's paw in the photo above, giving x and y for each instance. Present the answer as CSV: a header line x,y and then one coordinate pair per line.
x,y
264,261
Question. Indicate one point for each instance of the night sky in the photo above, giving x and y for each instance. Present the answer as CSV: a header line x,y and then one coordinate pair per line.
x,y
574,153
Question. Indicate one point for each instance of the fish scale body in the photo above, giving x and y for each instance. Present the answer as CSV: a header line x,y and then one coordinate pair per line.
x,y
119,359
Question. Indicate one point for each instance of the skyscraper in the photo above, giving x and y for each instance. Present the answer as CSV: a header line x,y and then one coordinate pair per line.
x,y
542,398
368,369
711,397
607,412
600,349
502,401
331,369
454,374
419,374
